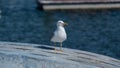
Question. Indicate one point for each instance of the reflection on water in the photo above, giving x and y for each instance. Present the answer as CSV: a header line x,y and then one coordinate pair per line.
x,y
90,30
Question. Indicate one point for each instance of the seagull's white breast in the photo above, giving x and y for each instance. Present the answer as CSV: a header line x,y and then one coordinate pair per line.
x,y
59,35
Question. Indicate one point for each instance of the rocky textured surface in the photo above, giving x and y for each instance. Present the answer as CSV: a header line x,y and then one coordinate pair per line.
x,y
22,55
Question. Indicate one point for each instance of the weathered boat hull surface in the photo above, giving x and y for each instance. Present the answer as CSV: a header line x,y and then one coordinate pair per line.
x,y
22,55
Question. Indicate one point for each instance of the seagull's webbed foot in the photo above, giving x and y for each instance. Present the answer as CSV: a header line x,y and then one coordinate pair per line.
x,y
61,50
55,50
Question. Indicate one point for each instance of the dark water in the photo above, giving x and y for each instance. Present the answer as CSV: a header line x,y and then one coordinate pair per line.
x,y
96,31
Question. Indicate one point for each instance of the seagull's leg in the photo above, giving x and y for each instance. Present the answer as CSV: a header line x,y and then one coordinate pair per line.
x,y
55,45
61,46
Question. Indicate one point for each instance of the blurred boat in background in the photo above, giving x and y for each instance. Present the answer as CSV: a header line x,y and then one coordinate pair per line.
x,y
77,4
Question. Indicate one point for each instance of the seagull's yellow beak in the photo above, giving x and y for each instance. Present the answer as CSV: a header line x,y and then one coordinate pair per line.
x,y
65,24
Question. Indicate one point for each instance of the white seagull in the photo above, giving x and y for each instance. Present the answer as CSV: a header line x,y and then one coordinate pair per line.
x,y
59,34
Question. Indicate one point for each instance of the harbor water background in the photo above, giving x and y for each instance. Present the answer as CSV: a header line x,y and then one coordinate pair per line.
x,y
95,31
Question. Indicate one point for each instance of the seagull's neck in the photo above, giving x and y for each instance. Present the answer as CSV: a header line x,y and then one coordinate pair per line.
x,y
60,28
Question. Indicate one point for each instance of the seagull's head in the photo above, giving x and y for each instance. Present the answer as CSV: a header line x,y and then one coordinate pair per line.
x,y
61,23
